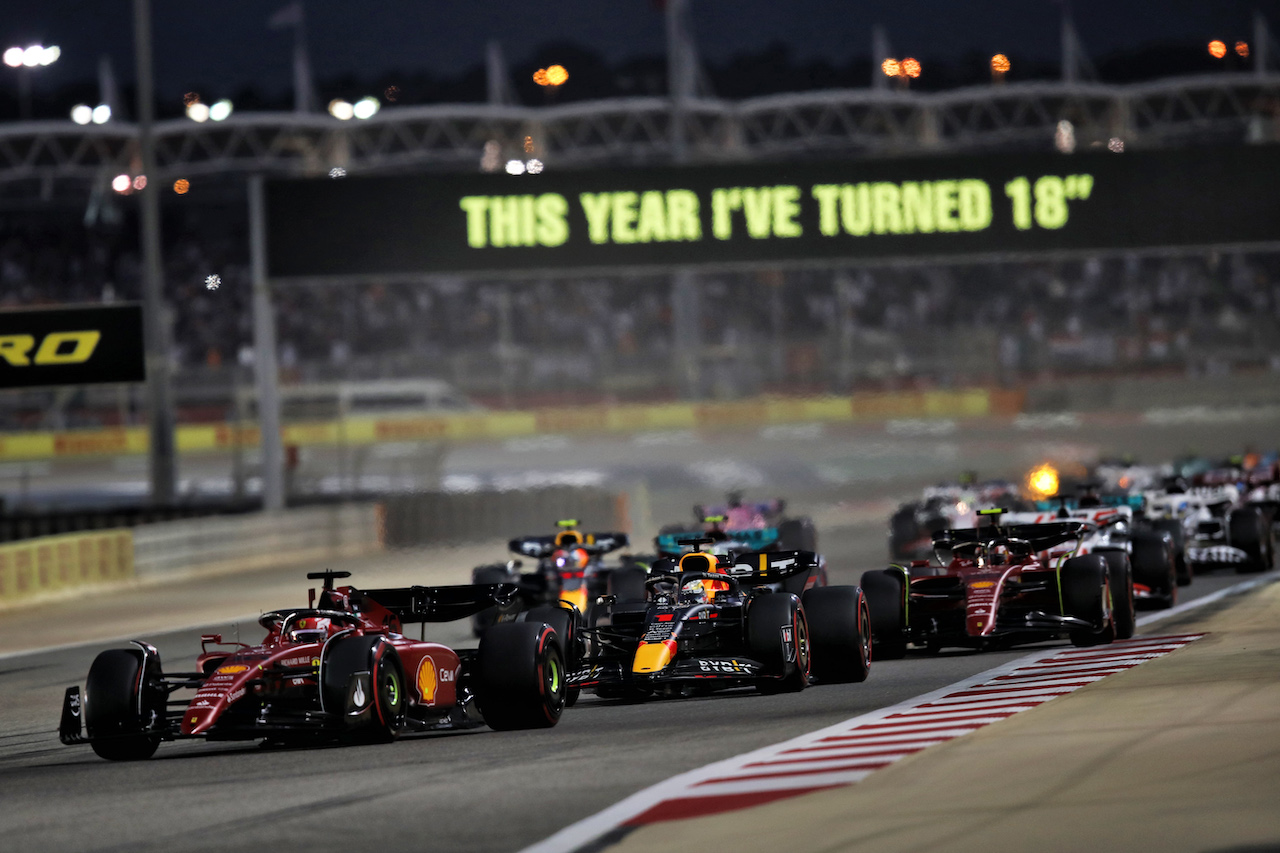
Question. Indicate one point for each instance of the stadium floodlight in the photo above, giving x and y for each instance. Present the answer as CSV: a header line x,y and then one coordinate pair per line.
x,y
50,55
102,114
198,112
220,110
366,107
341,110
13,57
82,113
515,167
121,183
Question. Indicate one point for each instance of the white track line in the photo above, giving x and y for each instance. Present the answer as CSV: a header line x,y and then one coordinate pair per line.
x,y
757,776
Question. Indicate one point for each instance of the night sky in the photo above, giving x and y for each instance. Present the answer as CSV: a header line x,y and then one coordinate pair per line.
x,y
221,46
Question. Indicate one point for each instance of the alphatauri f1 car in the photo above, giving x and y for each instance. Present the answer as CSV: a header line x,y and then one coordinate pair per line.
x,y
338,670
709,621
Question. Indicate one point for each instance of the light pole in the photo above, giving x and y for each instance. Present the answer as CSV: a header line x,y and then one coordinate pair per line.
x,y
24,59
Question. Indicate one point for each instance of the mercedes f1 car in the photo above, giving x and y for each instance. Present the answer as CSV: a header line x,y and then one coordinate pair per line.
x,y
570,568
710,621
338,669
996,586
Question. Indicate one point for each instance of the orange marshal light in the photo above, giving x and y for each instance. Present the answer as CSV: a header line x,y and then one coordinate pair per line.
x,y
1217,49
1242,49
911,67
181,186
891,68
557,75
1000,64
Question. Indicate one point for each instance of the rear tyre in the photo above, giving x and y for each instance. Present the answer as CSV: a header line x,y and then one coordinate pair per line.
x,y
797,534
770,619
111,706
1154,567
1120,573
488,575
1085,595
520,676
839,633
562,621
1173,527
886,597
627,583
1248,531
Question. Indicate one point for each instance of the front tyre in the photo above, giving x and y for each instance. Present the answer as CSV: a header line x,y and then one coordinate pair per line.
x,y
885,592
114,691
521,676
778,637
1120,572
1086,595
839,633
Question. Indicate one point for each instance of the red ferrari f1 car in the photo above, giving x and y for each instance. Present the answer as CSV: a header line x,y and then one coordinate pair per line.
x,y
1000,585
338,669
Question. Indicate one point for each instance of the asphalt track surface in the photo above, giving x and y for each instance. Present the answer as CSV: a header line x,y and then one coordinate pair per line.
x,y
471,791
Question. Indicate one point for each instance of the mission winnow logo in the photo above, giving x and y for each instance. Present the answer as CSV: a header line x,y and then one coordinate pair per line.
x,y
71,346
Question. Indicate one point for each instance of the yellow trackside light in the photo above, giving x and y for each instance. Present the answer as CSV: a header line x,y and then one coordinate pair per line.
x,y
1042,481
891,68
1000,64
1217,49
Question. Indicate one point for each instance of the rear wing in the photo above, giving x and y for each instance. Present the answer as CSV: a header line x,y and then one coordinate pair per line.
x,y
748,540
771,566
1041,537
545,546
442,603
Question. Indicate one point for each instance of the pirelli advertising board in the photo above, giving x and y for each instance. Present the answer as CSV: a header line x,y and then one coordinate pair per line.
x,y
71,346
1009,204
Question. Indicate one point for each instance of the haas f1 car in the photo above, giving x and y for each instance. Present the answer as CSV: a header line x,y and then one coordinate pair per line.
x,y
998,586
709,621
339,670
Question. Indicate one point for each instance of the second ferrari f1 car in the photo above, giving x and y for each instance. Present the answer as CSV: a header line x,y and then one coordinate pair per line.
x,y
340,668
1000,585
708,621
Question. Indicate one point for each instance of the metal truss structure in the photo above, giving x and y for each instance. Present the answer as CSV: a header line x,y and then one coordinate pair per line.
x,y
1232,108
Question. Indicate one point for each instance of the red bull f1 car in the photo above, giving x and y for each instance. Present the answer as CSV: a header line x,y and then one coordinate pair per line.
x,y
997,586
339,669
709,621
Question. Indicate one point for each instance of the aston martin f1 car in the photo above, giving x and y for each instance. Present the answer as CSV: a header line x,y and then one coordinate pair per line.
x,y
570,568
997,586
338,669
708,621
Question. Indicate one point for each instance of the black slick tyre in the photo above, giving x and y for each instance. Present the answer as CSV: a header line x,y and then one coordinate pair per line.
x,y
886,596
345,657
626,584
116,686
488,575
1247,530
839,633
1154,567
778,637
1120,572
1085,595
520,676
562,621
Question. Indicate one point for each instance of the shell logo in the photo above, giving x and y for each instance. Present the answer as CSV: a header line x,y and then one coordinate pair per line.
x,y
231,670
428,681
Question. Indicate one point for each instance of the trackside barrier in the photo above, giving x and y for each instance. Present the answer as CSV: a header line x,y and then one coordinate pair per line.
x,y
256,540
497,425
429,518
56,563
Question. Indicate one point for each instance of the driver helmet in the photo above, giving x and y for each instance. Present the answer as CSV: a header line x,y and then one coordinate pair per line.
x,y
310,629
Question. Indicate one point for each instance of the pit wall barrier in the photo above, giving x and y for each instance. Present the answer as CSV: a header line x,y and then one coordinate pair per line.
x,y
257,540
496,425
54,564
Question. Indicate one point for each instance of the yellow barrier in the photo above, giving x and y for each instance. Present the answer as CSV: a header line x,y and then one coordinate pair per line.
x,y
53,563
481,426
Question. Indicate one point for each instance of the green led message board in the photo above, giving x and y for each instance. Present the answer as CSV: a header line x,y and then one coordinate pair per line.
x,y
873,210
